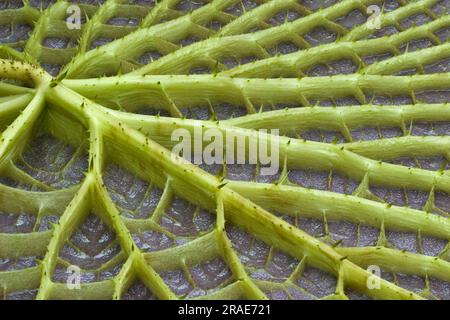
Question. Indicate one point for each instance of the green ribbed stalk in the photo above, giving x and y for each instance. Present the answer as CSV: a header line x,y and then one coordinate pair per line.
x,y
77,106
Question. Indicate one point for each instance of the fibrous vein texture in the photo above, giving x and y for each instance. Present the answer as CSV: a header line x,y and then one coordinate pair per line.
x,y
94,204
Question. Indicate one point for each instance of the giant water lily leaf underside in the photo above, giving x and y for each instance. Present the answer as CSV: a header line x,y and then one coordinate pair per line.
x,y
90,187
